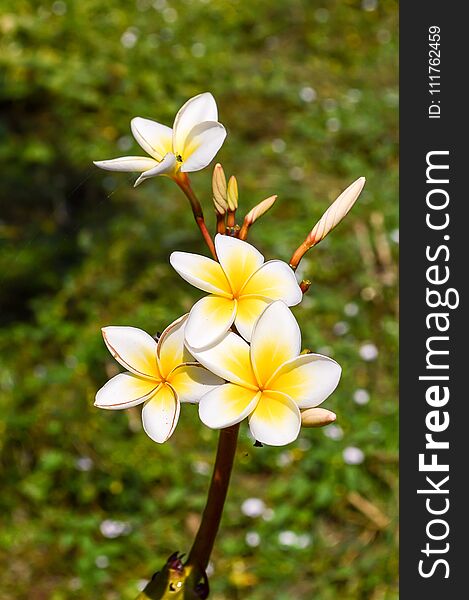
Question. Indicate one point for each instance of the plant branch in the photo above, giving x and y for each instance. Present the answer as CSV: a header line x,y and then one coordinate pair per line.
x,y
183,182
205,538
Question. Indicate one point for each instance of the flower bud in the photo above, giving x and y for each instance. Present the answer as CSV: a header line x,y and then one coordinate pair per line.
x,y
219,190
232,193
335,213
317,417
259,210
255,213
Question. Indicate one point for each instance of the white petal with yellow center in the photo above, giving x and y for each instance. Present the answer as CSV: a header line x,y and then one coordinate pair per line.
x,y
229,359
238,259
133,348
308,379
167,166
124,391
171,350
209,320
127,164
275,280
227,405
247,313
276,338
202,144
201,272
156,139
276,420
196,110
160,414
191,382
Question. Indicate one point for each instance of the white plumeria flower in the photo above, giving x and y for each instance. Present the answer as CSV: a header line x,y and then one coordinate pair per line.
x,y
269,382
241,285
160,374
189,146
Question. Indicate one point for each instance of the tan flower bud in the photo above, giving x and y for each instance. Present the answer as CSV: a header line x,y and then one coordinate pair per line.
x,y
259,210
219,190
335,213
232,193
317,417
255,213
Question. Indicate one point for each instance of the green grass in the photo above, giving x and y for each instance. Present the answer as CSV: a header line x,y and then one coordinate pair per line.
x,y
81,248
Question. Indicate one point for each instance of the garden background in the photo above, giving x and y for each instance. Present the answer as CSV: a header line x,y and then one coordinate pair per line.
x,y
90,506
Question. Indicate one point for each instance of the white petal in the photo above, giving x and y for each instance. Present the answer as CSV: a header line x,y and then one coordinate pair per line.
x,y
133,349
154,138
171,350
192,381
308,379
196,110
124,391
209,320
127,164
166,167
160,414
276,338
276,420
201,272
227,405
238,259
229,359
202,144
248,311
275,280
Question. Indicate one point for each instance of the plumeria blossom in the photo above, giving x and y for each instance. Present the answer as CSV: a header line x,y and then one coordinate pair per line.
x,y
160,376
189,146
241,286
269,382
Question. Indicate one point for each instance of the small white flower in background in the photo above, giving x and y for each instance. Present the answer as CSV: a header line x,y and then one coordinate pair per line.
x,y
84,463
353,455
201,467
241,285
102,561
189,146
303,541
253,539
268,515
368,351
361,397
253,507
351,309
334,432
287,538
160,375
341,328
114,529
395,236
269,382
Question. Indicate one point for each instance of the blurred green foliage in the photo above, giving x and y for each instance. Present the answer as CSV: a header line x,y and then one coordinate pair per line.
x,y
90,507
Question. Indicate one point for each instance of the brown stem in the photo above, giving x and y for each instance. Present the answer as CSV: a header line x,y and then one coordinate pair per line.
x,y
205,538
221,223
231,218
298,255
243,234
183,182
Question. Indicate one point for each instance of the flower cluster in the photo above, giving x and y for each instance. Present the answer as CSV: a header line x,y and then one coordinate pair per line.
x,y
237,353
189,146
